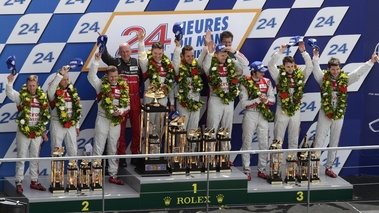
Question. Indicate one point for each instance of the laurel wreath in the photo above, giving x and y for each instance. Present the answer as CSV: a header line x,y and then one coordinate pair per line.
x,y
254,92
108,97
24,116
66,120
326,95
153,72
290,104
191,71
215,80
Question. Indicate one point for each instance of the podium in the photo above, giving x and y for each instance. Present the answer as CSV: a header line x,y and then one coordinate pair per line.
x,y
152,142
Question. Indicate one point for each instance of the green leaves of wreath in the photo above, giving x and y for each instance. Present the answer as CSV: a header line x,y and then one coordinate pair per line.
x,y
215,80
153,71
189,71
290,105
326,95
24,116
60,103
254,92
108,97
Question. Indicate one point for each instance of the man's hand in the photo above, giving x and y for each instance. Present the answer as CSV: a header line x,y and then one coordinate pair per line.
x,y
230,49
263,99
10,78
116,112
301,46
140,35
177,43
374,58
315,52
208,38
283,47
211,47
65,69
77,132
44,137
97,56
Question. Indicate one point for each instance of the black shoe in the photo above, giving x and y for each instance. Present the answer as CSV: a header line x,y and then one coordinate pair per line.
x,y
122,163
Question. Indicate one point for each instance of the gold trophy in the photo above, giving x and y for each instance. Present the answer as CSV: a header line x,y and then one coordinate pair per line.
x,y
152,142
303,160
194,145
223,160
84,173
209,145
57,172
290,169
156,92
177,139
72,176
97,175
315,165
275,175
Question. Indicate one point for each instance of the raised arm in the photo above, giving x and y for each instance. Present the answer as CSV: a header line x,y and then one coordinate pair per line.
x,y
176,58
108,59
272,68
308,61
317,72
10,92
270,94
142,55
54,84
92,74
356,74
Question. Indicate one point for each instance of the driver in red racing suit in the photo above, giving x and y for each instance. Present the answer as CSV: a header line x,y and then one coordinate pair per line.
x,y
130,72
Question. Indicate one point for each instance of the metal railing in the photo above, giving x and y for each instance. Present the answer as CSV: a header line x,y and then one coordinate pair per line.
x,y
171,155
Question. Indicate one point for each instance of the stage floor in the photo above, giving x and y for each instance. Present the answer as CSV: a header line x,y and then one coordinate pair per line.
x,y
179,191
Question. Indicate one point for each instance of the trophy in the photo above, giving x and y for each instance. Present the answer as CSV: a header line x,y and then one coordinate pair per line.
x,y
84,173
57,172
303,160
315,165
194,145
209,145
177,141
72,176
223,160
290,168
156,92
275,175
97,175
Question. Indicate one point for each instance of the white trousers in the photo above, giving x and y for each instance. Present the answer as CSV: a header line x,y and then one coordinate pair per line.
x,y
24,146
251,122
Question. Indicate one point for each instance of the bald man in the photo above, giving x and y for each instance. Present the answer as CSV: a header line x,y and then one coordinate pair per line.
x,y
130,72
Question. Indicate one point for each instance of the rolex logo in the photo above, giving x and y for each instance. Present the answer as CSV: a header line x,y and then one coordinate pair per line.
x,y
167,200
220,198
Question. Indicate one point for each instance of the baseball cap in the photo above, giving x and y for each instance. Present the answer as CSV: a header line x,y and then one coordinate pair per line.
x,y
220,48
102,42
11,64
257,66
313,43
294,41
177,29
76,62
